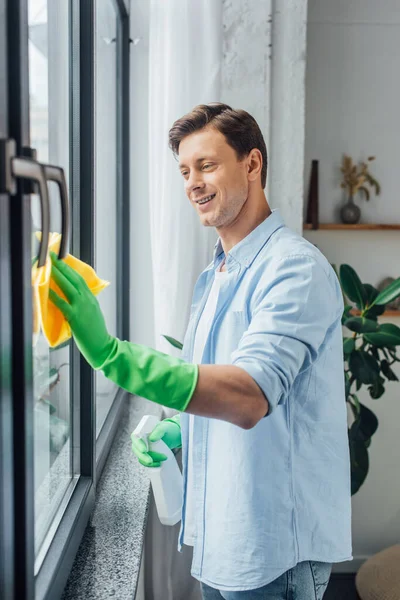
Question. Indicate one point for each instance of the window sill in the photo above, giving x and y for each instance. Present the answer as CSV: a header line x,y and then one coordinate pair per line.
x,y
108,560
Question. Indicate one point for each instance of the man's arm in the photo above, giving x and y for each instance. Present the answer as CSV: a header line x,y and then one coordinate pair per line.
x,y
286,331
224,392
228,393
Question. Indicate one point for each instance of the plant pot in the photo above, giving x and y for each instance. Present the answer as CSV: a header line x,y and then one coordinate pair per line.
x,y
350,212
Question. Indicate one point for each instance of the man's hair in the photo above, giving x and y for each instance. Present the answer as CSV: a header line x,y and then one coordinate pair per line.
x,y
240,129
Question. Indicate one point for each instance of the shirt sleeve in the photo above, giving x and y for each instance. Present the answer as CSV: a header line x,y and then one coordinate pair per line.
x,y
291,317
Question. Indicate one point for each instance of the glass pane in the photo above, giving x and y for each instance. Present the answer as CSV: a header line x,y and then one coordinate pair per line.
x,y
106,184
49,132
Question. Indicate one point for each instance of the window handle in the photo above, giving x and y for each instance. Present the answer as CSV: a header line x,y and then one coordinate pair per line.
x,y
13,167
27,168
57,175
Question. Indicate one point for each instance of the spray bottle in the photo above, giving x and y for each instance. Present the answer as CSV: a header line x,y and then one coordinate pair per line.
x,y
166,480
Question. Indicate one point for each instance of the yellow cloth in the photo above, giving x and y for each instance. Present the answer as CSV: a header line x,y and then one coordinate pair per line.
x,y
45,314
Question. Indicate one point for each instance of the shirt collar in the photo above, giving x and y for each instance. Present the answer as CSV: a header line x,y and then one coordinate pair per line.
x,y
245,251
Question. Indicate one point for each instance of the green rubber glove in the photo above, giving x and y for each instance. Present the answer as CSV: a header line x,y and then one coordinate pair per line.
x,y
140,370
169,431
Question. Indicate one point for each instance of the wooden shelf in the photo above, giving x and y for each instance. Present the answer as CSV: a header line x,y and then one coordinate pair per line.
x,y
357,226
388,313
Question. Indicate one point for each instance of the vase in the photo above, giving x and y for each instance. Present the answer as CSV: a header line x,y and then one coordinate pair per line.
x,y
312,207
350,212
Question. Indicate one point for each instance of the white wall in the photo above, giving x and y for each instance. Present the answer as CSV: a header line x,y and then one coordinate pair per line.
x,y
263,72
287,109
352,99
246,58
353,94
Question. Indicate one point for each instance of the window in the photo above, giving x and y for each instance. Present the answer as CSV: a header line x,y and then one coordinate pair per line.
x,y
66,98
49,134
106,183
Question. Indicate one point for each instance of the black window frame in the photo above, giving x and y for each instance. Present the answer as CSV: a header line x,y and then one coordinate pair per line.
x,y
6,421
17,559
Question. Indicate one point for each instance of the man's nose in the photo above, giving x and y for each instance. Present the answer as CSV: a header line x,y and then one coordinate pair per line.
x,y
194,183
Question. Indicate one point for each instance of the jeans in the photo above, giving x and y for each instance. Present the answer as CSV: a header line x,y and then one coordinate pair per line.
x,y
308,580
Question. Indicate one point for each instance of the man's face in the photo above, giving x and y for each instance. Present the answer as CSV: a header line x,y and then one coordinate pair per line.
x,y
212,172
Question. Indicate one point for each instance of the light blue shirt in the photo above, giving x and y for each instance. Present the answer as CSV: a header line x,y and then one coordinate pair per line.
x,y
279,493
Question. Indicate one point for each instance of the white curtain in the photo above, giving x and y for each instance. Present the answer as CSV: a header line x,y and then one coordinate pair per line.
x,y
185,63
185,52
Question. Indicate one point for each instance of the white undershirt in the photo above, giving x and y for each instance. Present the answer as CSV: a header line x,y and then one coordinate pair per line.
x,y
202,332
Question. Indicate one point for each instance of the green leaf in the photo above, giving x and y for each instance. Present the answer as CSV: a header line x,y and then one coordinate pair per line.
x,y
355,405
346,312
361,324
349,344
53,375
387,371
359,462
352,286
368,423
388,335
391,292
347,384
374,311
364,367
374,352
377,389
51,408
173,342
371,291
360,434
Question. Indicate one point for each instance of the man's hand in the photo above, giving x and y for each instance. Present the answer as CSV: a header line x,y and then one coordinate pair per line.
x,y
83,313
161,378
169,431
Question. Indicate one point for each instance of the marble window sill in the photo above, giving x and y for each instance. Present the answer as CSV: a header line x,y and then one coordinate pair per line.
x,y
108,561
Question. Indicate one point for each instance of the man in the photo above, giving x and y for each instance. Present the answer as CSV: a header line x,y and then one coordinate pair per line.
x,y
260,388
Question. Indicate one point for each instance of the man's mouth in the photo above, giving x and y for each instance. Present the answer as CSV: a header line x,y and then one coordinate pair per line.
x,y
205,199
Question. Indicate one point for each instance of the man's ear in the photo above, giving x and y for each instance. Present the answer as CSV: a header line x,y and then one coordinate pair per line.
x,y
254,164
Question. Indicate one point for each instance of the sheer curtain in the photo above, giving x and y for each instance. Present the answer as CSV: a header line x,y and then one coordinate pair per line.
x,y
185,52
185,64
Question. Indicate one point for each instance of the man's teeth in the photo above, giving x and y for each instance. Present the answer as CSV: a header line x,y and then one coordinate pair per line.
x,y
206,199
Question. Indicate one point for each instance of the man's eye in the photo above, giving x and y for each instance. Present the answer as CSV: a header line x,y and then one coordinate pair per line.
x,y
184,173
206,166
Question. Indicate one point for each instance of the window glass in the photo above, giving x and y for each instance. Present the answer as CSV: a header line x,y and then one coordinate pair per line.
x,y
49,133
106,183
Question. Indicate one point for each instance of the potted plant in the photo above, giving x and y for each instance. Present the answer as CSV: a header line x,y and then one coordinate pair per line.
x,y
369,354
356,178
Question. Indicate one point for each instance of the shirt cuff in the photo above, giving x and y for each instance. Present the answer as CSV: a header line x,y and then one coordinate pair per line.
x,y
266,380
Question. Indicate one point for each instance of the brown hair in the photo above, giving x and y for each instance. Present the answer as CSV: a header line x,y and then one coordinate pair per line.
x,y
240,129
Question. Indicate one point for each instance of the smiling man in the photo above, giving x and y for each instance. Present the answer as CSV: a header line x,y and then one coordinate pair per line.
x,y
260,387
